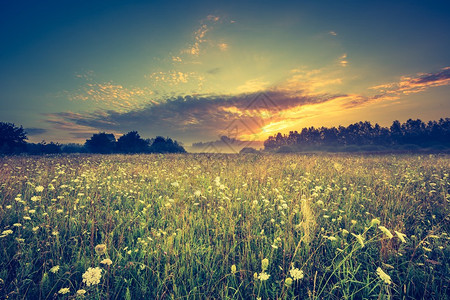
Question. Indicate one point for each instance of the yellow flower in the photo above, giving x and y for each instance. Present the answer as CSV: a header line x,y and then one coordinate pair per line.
x,y
359,238
39,188
100,249
385,277
288,282
233,269
401,236
374,222
64,291
386,231
264,264
81,292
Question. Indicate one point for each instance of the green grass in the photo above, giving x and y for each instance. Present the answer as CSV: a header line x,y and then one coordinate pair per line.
x,y
174,225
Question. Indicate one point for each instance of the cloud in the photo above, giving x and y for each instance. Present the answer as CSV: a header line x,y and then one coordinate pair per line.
x,y
32,131
223,46
343,60
414,84
333,33
192,116
108,94
214,71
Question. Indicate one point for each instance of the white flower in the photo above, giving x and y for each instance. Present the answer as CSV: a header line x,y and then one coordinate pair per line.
x,y
92,276
54,269
296,273
263,276
106,261
385,277
64,291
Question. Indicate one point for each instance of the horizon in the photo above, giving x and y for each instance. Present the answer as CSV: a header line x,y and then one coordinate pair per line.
x,y
197,71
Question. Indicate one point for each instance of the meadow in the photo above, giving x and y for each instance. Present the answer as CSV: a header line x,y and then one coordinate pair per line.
x,y
216,226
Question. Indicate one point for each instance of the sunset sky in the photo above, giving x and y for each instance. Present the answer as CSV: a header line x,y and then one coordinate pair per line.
x,y
197,70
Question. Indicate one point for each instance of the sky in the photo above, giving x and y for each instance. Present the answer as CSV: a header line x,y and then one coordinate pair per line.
x,y
199,70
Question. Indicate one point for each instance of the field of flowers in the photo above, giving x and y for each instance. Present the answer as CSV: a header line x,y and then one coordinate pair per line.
x,y
200,226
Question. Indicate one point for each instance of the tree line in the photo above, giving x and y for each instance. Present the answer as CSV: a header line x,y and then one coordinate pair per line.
x,y
13,141
411,135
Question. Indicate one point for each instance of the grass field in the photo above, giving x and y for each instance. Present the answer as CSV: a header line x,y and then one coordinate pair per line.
x,y
225,227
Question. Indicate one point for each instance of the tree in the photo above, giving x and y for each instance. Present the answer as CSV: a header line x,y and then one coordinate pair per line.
x,y
12,138
101,143
131,143
162,145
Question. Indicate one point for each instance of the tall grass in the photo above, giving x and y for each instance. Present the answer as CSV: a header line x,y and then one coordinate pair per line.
x,y
199,226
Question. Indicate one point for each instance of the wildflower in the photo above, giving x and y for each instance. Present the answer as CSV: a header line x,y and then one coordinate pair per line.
x,y
263,276
386,231
55,233
288,282
296,273
374,222
106,261
35,198
39,188
7,232
35,228
100,249
264,264
197,193
401,236
64,291
345,232
332,238
92,276
17,225
81,292
359,238
54,269
26,218
59,211
354,222
385,277
32,211
233,269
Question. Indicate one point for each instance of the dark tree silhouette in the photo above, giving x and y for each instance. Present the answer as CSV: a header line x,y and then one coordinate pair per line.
x,y
12,138
101,143
43,148
131,143
162,145
413,134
